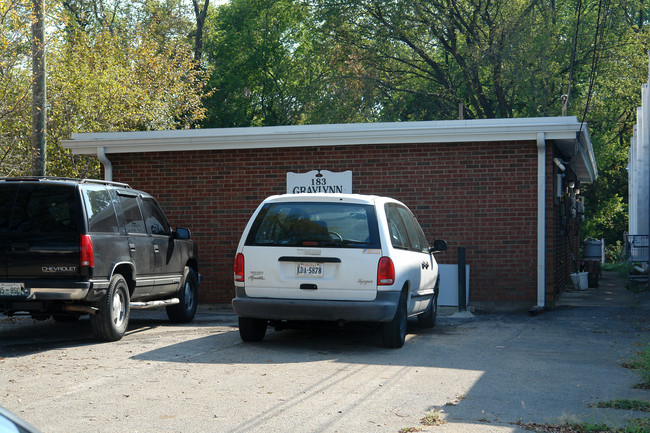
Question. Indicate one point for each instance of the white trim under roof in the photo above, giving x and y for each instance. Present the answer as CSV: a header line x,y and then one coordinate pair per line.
x,y
563,130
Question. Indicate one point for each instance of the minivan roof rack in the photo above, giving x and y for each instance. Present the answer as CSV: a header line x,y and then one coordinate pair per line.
x,y
74,179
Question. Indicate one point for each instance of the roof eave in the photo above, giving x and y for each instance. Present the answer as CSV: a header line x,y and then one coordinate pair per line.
x,y
561,129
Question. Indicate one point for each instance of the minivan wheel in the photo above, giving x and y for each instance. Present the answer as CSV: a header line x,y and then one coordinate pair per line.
x,y
251,329
188,295
112,319
393,333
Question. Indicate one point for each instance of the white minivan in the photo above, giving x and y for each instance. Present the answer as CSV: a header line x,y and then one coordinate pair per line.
x,y
335,258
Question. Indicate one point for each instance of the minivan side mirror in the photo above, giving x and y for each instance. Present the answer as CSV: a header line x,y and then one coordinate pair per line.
x,y
182,233
438,245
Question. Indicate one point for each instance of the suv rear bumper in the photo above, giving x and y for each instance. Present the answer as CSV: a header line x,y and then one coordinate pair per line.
x,y
382,309
57,291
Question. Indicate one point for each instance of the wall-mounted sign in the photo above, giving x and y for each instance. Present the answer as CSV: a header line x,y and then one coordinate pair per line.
x,y
319,181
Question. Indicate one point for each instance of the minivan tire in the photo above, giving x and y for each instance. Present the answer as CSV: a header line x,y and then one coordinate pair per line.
x,y
251,330
393,333
188,295
112,319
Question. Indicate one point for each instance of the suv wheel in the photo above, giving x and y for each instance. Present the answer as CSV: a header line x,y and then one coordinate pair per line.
x,y
188,294
393,333
112,319
252,329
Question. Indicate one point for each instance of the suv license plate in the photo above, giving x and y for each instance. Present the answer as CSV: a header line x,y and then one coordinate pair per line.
x,y
309,270
11,289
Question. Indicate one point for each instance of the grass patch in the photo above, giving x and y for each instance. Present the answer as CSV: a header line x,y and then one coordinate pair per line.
x,y
640,405
433,417
620,268
641,363
637,425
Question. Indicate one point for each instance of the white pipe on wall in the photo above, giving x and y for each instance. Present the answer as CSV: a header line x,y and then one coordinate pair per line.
x,y
108,167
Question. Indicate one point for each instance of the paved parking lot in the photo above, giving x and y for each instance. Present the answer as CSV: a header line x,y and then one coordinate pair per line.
x,y
485,373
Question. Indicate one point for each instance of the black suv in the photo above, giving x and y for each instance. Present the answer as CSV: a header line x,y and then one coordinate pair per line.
x,y
76,246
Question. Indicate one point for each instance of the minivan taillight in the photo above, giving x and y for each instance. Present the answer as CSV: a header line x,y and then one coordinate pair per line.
x,y
86,251
239,267
385,272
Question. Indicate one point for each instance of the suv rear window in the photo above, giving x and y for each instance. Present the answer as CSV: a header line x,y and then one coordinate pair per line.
x,y
336,225
45,208
7,197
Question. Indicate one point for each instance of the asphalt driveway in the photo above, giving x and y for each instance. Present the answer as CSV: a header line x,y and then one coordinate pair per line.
x,y
482,373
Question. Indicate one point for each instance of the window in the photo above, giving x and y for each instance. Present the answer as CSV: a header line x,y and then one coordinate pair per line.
x,y
154,218
133,217
45,209
341,225
405,232
7,197
398,236
100,210
416,236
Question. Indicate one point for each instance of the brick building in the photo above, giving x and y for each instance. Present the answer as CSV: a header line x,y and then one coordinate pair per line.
x,y
505,189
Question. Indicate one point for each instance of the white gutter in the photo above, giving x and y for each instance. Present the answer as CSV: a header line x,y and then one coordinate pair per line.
x,y
108,167
541,221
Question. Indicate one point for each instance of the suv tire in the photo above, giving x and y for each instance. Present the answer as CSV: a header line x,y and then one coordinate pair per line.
x,y
393,333
112,319
251,329
188,296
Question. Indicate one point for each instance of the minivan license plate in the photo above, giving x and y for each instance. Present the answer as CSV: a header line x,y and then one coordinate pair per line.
x,y
309,270
11,289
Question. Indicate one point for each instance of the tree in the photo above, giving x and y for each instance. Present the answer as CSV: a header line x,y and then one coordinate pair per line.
x,y
200,14
112,78
15,93
111,81
39,108
272,66
497,59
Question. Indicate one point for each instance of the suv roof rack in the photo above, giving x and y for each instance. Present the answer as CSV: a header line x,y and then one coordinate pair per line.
x,y
74,179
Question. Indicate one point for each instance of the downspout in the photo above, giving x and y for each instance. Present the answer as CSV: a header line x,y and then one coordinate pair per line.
x,y
541,223
108,167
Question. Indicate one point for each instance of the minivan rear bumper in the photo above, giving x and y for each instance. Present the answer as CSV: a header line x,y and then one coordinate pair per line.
x,y
382,309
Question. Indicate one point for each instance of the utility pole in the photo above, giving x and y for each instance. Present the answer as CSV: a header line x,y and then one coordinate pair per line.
x,y
39,111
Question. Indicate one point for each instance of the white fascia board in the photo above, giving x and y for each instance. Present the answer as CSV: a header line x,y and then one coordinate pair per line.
x,y
588,170
453,131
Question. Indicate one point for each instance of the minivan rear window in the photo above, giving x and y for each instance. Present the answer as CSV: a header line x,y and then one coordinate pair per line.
x,y
335,225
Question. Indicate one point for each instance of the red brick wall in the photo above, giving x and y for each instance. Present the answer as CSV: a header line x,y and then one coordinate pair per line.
x,y
481,196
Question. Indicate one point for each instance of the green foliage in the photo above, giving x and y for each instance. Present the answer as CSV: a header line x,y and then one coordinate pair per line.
x,y
118,75
607,217
273,66
253,44
509,59
15,82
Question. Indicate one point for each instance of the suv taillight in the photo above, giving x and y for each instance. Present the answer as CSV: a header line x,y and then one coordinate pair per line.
x,y
239,267
385,272
87,252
